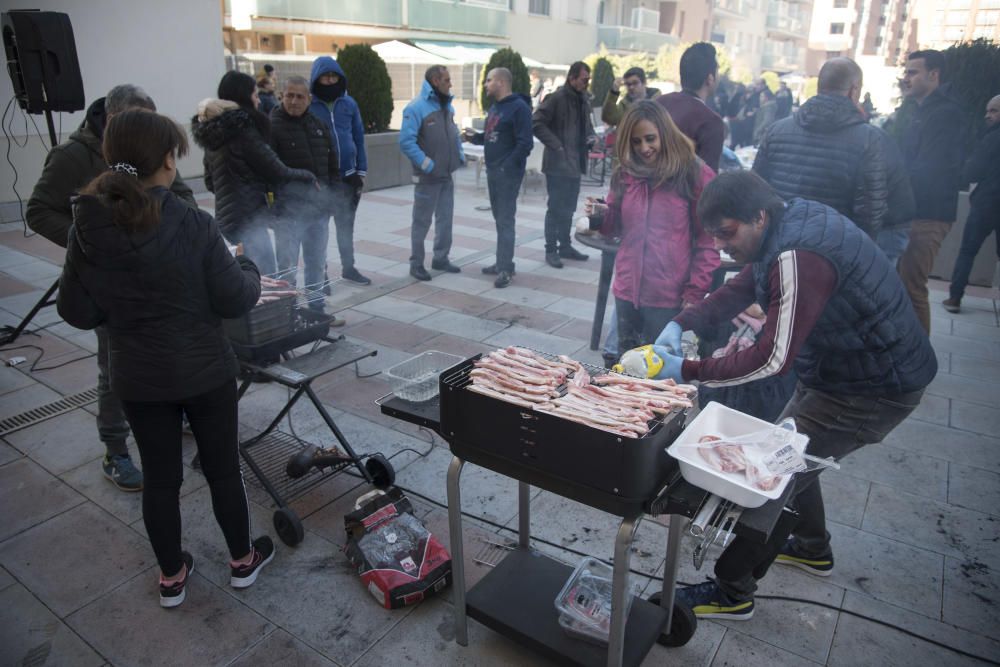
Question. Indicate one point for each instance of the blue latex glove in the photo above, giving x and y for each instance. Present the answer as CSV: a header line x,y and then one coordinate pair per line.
x,y
671,368
670,338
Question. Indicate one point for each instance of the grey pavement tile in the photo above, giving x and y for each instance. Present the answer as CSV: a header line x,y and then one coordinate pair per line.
x,y
972,596
367,437
698,652
214,626
8,453
579,308
78,374
89,480
464,283
86,340
975,418
325,493
61,443
845,498
12,379
899,468
392,308
96,553
468,304
974,488
32,635
29,495
965,347
373,263
453,345
525,296
11,259
934,409
21,400
741,650
947,443
38,270
953,531
427,637
380,331
415,292
21,305
5,579
281,648
862,642
966,389
931,629
467,326
979,369
475,541
533,318
975,331
537,340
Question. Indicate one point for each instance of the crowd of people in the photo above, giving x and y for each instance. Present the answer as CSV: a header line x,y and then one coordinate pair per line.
x,y
834,233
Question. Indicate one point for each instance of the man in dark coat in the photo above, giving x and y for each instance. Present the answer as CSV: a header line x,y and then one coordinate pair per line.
x,y
837,310
828,152
68,167
688,110
932,150
983,169
562,123
508,142
303,211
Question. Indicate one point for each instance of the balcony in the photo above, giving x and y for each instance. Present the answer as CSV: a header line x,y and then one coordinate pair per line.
x,y
786,60
426,15
735,9
783,25
622,38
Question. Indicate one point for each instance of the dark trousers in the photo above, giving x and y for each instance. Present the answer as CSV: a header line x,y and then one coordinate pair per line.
x,y
503,202
432,198
837,424
157,430
111,425
640,325
563,193
346,197
980,223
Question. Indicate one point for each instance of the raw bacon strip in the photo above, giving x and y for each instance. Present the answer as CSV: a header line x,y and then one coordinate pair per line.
x,y
498,395
528,354
725,458
639,429
662,402
497,387
582,419
504,360
510,383
595,398
577,401
662,385
518,375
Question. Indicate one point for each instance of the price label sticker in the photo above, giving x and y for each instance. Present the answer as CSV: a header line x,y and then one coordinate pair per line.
x,y
784,461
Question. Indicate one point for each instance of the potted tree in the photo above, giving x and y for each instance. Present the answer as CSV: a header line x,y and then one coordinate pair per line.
x,y
371,88
511,59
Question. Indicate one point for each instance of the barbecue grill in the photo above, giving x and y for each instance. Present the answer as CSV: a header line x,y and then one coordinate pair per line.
x,y
624,476
284,466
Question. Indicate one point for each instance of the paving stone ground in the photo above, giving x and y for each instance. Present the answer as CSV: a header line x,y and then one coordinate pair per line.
x,y
914,520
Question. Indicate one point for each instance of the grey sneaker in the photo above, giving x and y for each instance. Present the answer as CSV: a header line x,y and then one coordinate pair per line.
x,y
121,472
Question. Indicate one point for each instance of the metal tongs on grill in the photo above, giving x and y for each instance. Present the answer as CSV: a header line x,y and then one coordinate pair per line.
x,y
714,517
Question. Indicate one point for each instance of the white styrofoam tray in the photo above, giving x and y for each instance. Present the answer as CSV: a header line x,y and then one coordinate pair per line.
x,y
716,419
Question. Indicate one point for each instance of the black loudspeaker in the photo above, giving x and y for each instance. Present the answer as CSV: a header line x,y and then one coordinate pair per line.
x,y
42,61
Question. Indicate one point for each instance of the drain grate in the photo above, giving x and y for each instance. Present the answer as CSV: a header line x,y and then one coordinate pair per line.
x,y
40,414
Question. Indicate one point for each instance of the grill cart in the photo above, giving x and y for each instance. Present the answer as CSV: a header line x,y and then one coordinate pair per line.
x,y
625,477
284,466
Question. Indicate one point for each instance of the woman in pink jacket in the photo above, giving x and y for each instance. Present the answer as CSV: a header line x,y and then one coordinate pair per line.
x,y
666,259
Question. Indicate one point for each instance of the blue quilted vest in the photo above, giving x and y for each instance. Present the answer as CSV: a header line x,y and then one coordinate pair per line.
x,y
868,339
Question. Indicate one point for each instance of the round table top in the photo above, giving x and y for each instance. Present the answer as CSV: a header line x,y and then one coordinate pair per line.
x,y
597,241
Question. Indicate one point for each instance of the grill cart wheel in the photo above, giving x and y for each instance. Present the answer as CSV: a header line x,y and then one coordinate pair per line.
x,y
382,472
289,527
683,623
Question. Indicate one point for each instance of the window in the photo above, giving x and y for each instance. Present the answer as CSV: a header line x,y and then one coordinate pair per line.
x,y
574,11
988,18
839,4
832,54
539,7
836,28
878,41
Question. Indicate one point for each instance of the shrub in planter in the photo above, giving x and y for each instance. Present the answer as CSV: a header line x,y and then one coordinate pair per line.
x,y
602,77
972,74
511,59
369,84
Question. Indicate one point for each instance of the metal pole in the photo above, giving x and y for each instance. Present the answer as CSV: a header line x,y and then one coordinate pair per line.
x,y
457,555
619,589
671,565
523,515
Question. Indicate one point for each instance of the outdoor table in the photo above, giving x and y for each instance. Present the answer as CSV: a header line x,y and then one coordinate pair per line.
x,y
608,248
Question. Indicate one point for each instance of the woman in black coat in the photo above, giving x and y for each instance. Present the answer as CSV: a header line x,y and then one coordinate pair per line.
x,y
157,273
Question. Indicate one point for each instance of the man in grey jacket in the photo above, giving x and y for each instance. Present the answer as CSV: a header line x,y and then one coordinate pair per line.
x,y
562,123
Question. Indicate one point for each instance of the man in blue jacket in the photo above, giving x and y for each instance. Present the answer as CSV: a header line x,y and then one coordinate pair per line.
x,y
430,139
339,112
508,141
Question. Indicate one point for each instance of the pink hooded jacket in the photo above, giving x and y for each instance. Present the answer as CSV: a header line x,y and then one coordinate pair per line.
x,y
658,264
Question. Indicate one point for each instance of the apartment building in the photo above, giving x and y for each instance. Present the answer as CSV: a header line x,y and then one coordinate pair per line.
x,y
877,31
941,23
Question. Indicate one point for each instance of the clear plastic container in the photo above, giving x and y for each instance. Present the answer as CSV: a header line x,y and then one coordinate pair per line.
x,y
585,600
416,379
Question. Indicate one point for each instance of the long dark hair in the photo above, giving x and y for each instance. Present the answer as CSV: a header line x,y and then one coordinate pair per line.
x,y
238,87
140,140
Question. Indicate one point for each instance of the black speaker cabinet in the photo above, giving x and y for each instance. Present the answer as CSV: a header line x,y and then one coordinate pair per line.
x,y
41,60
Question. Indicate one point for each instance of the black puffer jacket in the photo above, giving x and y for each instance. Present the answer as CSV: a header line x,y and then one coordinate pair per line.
x,y
983,168
828,153
161,293
303,142
240,168
562,123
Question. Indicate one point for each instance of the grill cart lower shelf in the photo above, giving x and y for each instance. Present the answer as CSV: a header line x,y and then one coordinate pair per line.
x,y
516,597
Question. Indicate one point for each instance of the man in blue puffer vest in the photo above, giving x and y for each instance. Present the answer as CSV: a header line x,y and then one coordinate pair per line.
x,y
838,310
430,139
339,113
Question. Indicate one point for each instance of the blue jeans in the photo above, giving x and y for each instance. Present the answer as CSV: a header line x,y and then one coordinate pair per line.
x,y
256,244
563,193
893,242
504,188
432,198
312,235
977,227
610,346
837,424
346,197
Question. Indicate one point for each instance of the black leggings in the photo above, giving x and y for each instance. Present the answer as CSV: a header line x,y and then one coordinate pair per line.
x,y
157,430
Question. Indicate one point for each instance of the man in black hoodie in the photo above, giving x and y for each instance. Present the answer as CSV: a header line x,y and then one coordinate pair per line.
x,y
68,167
932,149
508,141
829,153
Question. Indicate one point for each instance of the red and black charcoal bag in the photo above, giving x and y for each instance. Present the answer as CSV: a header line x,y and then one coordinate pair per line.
x,y
399,560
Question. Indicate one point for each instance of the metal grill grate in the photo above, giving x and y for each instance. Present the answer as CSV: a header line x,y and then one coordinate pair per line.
x,y
271,454
40,414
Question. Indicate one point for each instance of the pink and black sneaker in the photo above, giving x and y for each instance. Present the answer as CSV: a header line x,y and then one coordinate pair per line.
x,y
173,594
242,576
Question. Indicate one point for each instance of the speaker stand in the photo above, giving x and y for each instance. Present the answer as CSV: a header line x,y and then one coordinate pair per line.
x,y
9,334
